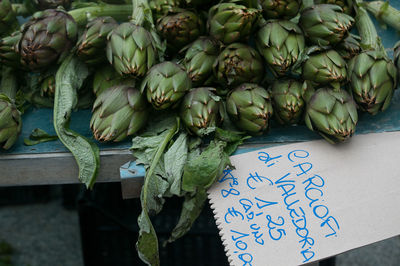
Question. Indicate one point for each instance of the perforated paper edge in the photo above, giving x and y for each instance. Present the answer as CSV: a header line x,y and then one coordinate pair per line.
x,y
218,222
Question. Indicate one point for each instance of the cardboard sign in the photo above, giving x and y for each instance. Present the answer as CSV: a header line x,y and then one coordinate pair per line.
x,y
299,203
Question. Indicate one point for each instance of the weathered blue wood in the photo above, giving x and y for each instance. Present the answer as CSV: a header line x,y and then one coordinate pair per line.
x,y
42,118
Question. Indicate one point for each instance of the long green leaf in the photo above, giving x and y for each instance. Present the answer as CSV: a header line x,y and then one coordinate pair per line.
x,y
69,79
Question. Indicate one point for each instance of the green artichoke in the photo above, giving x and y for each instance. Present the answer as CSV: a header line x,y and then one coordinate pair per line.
x,y
230,22
373,78
10,122
288,101
46,38
239,63
280,9
325,25
280,43
118,112
325,67
48,4
199,60
249,107
92,44
48,87
342,3
8,54
165,84
349,47
333,114
161,8
131,49
180,28
106,77
8,18
201,109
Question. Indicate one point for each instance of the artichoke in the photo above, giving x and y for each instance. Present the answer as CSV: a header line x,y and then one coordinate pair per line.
x,y
239,63
8,18
325,25
106,77
8,54
342,3
118,112
161,8
249,107
373,78
92,44
282,9
325,67
201,109
46,38
48,87
131,49
288,101
47,4
165,84
10,122
333,114
349,47
199,60
230,22
280,43
180,28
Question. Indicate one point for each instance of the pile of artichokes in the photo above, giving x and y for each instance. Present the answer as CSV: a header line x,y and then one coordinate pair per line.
x,y
245,63
285,60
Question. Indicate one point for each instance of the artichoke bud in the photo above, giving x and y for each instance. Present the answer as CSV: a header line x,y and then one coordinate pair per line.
x,y
199,60
10,122
342,3
48,87
8,18
180,28
165,84
46,38
288,100
333,114
118,112
131,49
349,47
92,44
281,43
250,108
48,4
373,79
8,54
230,22
201,109
325,67
106,77
161,8
325,25
280,9
238,63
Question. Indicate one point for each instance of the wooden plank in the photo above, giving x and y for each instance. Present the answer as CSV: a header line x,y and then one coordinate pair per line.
x,y
56,168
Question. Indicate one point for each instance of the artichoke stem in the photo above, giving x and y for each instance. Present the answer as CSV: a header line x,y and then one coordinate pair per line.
x,y
118,12
384,12
369,37
8,85
141,13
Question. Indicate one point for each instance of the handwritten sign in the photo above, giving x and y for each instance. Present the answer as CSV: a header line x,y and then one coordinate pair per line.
x,y
299,203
